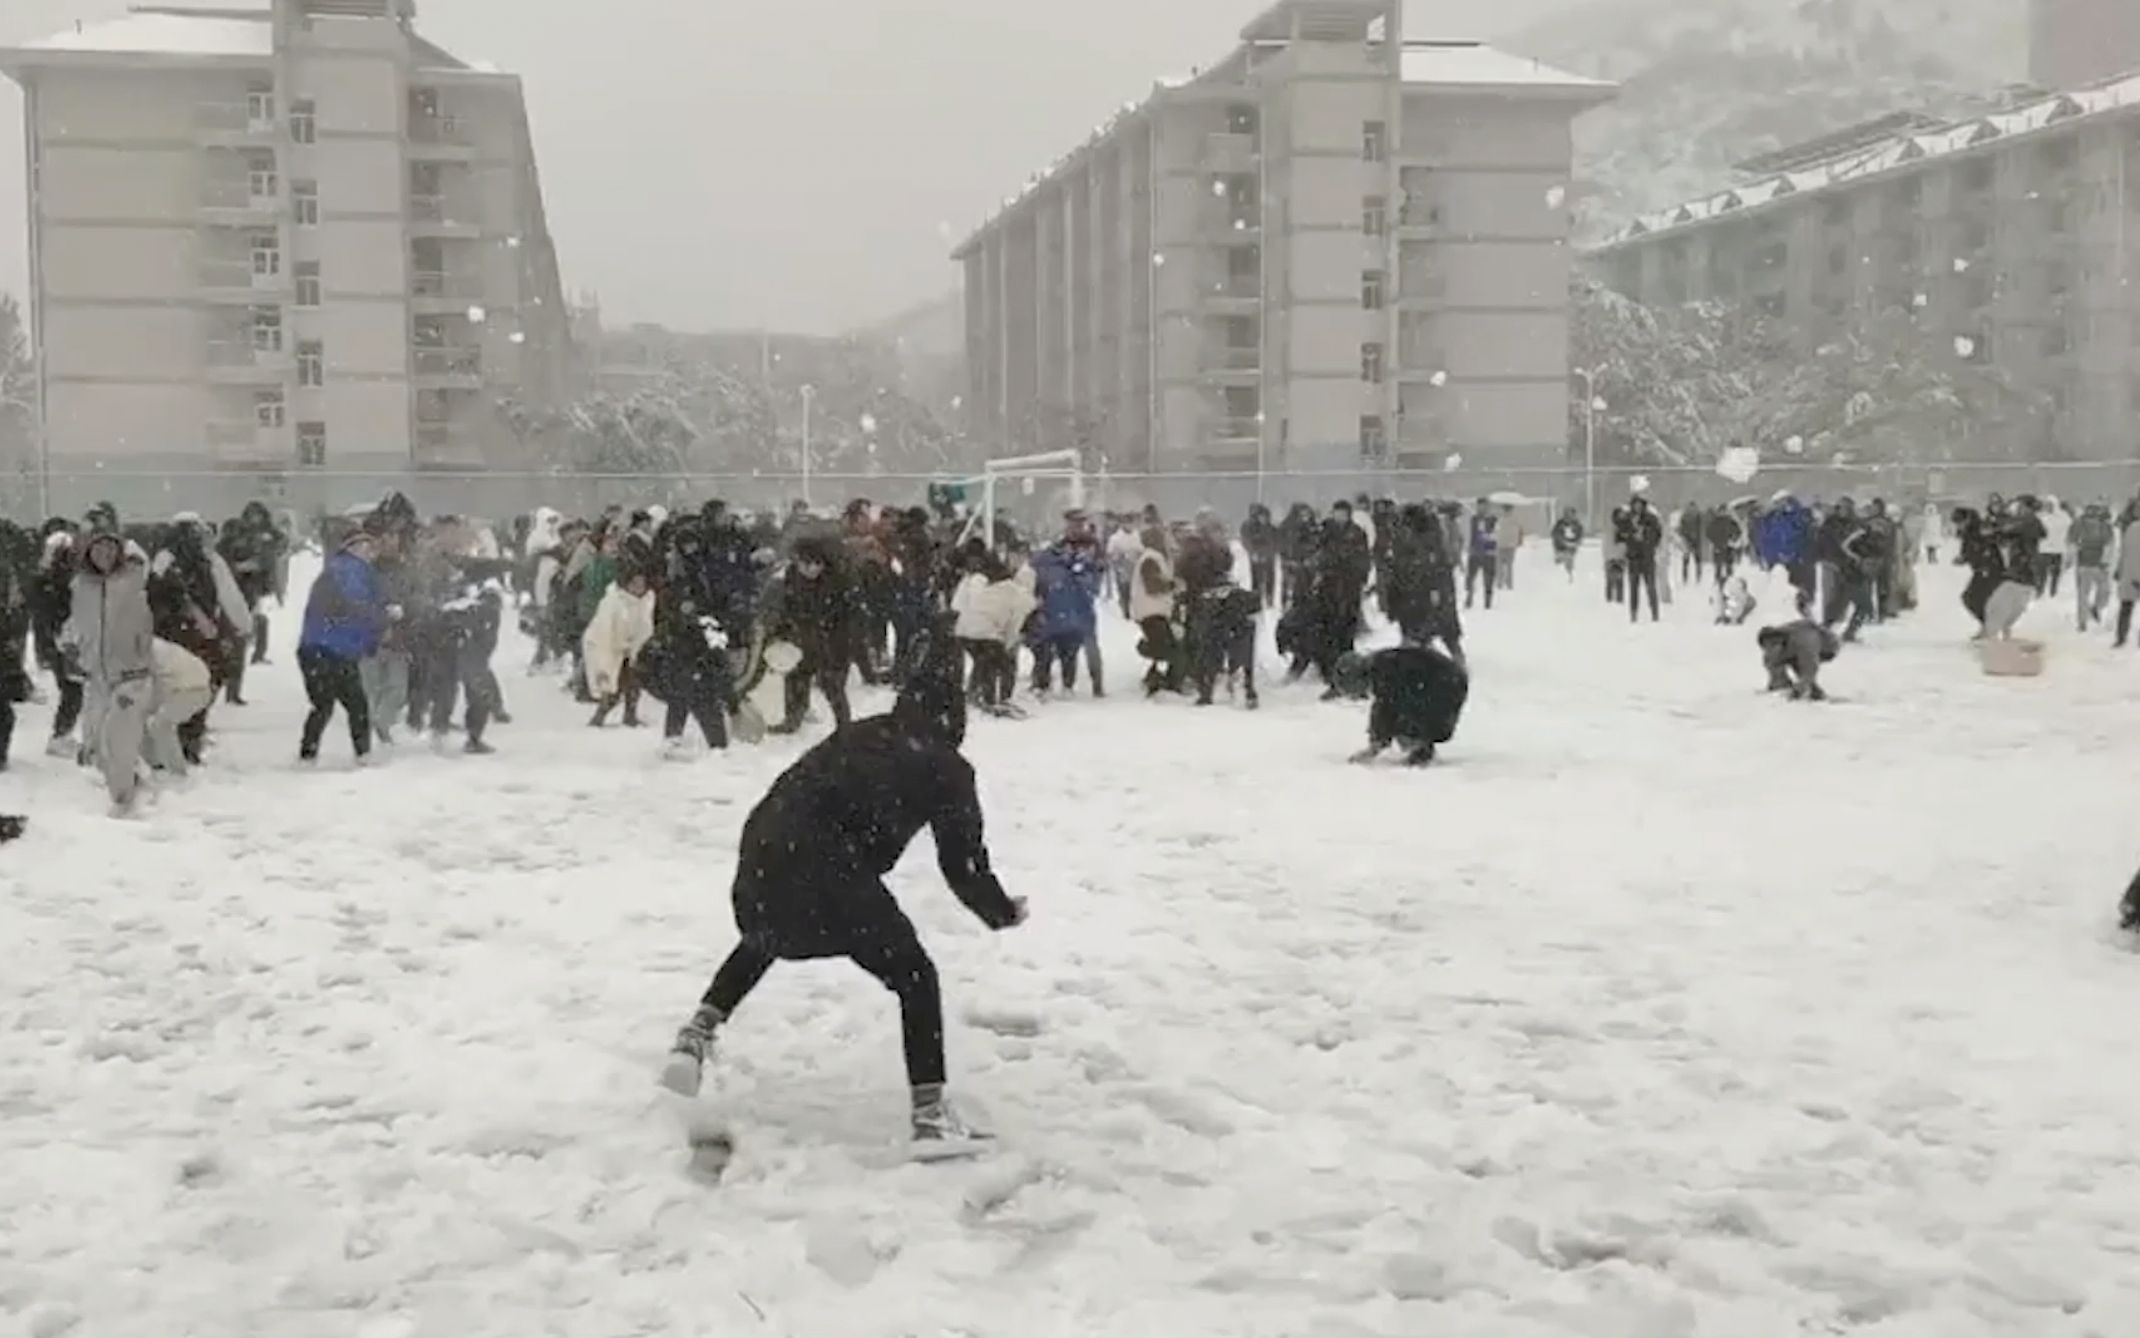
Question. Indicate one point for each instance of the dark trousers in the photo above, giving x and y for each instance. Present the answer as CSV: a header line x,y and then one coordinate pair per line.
x,y
1690,562
1615,580
1263,578
830,677
993,672
1160,647
69,710
1049,654
2050,569
260,637
628,691
898,962
7,726
1296,582
330,681
1641,574
2125,620
704,697
444,671
1482,566
1727,561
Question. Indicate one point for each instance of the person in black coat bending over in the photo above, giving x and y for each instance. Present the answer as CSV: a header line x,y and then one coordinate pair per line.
x,y
1419,695
810,881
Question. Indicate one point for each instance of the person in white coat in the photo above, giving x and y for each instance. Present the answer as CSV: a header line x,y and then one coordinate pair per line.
x,y
181,689
991,606
1933,533
622,625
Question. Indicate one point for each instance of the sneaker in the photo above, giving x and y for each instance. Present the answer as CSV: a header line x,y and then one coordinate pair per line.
x,y
942,1134
477,748
686,1068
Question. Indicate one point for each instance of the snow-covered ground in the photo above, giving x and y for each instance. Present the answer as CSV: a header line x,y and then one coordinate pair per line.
x,y
1663,1008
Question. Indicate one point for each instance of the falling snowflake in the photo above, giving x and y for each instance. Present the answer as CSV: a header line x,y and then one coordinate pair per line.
x,y
518,337
1794,445
1218,188
1638,486
1920,301
1964,346
1453,463
476,315
869,423
1961,264
1159,259
1438,379
1556,196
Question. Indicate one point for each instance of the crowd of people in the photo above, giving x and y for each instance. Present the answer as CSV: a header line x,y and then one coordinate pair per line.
x,y
146,629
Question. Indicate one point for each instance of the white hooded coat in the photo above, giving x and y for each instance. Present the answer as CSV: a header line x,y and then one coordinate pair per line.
x,y
622,625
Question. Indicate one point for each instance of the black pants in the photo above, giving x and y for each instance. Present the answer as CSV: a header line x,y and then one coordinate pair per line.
x,y
7,727
702,696
2050,568
1615,580
1727,560
330,681
1296,582
1690,561
2125,620
260,637
1263,578
898,962
443,671
69,710
829,675
1049,654
1160,647
992,672
628,691
1482,566
1641,572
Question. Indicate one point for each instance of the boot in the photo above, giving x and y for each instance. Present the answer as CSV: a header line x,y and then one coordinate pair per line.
x,y
694,1045
601,713
940,1132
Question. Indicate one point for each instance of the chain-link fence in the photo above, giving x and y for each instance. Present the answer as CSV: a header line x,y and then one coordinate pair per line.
x,y
26,496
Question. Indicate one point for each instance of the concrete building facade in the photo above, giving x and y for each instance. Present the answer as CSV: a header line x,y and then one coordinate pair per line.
x,y
2011,239
1333,252
277,237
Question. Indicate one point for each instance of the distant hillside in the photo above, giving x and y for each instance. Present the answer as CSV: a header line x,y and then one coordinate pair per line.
x,y
1707,84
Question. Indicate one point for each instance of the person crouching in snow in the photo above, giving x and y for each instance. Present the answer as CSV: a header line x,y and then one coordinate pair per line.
x,y
183,689
809,882
1793,655
1735,603
1419,695
991,605
108,635
346,618
622,625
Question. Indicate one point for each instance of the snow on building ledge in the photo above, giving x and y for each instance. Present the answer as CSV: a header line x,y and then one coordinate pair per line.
x,y
158,33
1463,68
1895,154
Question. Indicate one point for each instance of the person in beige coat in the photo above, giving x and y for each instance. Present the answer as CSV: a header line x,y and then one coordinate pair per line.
x,y
622,625
181,689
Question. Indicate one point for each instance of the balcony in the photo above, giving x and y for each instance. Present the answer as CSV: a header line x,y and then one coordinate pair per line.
x,y
447,446
243,441
449,369
236,283
440,139
233,205
432,293
1230,229
236,362
1231,153
433,216
1232,439
1228,365
232,125
1232,299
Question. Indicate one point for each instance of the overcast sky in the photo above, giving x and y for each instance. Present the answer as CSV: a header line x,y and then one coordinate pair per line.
x,y
804,165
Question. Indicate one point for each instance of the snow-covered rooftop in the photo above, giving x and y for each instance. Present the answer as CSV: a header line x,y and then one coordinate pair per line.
x,y
162,34
1894,154
1424,65
1477,64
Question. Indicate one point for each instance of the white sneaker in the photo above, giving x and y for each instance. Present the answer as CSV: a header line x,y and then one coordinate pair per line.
x,y
676,750
685,1071
942,1134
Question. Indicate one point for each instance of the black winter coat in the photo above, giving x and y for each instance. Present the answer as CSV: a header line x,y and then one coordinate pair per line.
x,y
1419,695
810,869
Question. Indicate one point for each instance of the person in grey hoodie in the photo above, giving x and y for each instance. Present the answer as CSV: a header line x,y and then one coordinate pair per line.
x,y
109,634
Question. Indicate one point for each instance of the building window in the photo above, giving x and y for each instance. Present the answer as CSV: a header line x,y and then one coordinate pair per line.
x,y
312,445
311,363
2057,341
1374,141
305,203
267,408
308,283
260,107
1977,176
267,330
1371,364
1374,437
1373,290
1374,215
260,176
304,122
267,256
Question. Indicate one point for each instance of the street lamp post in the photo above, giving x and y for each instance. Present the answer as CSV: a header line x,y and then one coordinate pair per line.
x,y
1591,405
809,398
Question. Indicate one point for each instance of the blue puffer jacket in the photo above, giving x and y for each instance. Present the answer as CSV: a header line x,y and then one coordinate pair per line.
x,y
1784,537
1068,585
346,613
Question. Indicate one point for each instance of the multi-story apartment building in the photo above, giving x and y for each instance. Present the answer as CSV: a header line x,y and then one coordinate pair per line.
x,y
278,236
1332,251
2011,238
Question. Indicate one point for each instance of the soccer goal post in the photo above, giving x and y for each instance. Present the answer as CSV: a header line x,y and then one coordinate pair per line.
x,y
1026,489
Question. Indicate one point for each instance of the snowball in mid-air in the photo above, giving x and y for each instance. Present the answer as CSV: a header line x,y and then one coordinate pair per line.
x,y
1964,346
1556,196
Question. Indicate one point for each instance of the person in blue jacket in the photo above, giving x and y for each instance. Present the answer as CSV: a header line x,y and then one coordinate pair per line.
x,y
1783,537
345,617
1068,582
